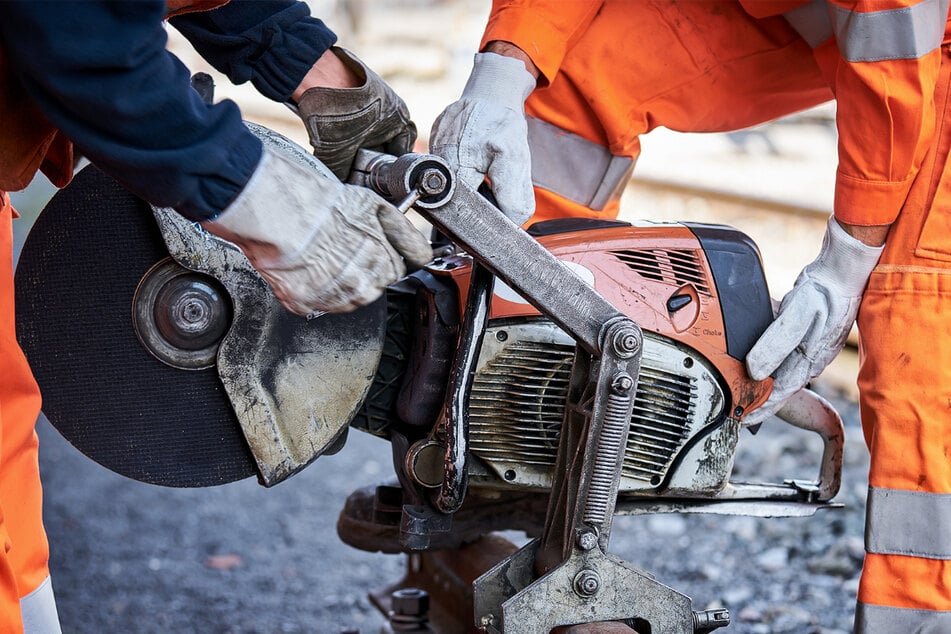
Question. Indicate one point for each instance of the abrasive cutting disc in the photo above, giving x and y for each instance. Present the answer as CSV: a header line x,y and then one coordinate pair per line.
x,y
76,279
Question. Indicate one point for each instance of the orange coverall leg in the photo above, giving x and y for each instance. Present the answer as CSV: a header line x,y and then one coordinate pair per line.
x,y
905,386
689,66
707,66
24,551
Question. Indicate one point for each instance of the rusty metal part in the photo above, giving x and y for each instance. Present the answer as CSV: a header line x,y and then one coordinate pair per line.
x,y
447,576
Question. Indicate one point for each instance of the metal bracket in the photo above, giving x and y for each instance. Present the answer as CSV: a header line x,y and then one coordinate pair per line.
x,y
590,586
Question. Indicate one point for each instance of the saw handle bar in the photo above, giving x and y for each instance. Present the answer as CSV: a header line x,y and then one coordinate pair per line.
x,y
453,424
807,410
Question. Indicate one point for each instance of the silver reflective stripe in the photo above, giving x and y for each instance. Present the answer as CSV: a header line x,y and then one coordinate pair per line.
x,y
905,33
908,523
811,21
574,167
38,611
880,619
893,34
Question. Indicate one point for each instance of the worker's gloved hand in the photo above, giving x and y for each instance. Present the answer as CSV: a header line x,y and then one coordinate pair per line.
x,y
320,244
814,319
340,121
485,134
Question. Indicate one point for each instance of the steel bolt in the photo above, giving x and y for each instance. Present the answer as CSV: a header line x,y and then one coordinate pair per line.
x,y
587,583
622,383
587,539
193,311
487,620
432,181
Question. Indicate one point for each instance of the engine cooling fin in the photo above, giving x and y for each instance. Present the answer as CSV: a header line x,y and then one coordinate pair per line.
x,y
519,395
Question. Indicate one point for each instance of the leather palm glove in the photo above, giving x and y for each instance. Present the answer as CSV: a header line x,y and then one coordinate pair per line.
x,y
484,133
320,244
340,121
814,318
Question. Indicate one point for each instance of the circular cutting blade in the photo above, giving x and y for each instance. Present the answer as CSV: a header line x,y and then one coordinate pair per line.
x,y
119,404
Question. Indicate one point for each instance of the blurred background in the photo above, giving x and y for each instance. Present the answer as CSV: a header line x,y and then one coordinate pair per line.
x,y
238,558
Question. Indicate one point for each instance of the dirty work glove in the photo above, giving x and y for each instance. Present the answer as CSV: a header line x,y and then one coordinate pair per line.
x,y
814,318
340,121
320,244
485,134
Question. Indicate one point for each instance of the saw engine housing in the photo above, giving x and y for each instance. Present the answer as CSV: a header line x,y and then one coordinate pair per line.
x,y
698,292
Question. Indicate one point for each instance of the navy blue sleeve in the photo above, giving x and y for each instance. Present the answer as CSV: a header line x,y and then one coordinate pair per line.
x,y
271,43
100,72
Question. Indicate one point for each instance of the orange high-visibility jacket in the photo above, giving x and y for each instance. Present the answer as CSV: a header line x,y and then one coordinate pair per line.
x,y
886,111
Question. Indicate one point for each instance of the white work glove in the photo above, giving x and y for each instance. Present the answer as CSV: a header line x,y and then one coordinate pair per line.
x,y
814,319
485,134
320,244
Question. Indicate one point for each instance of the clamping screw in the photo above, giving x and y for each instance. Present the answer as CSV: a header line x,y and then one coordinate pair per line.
x,y
587,583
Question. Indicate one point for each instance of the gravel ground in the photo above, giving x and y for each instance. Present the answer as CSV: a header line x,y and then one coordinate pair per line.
x,y
130,557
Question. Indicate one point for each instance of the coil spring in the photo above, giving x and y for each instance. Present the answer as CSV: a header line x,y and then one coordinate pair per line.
x,y
605,462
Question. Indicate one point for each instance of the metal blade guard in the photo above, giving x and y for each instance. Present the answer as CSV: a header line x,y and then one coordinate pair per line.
x,y
164,356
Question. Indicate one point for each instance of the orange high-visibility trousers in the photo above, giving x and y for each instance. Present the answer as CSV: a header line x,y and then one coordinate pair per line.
x,y
905,387
689,66
24,552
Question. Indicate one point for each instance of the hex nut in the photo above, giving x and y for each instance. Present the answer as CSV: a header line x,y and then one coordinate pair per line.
x,y
587,583
409,602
